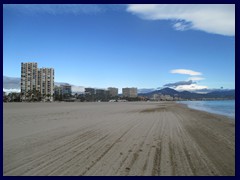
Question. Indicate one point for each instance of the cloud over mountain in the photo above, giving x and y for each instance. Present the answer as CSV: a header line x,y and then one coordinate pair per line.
x,y
191,87
179,83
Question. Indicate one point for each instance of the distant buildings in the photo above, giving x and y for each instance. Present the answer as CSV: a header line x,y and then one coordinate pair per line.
x,y
66,90
62,92
129,92
89,94
161,97
36,83
57,92
89,91
113,92
92,94
101,95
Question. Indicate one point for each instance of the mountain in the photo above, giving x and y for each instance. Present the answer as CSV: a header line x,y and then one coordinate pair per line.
x,y
11,82
165,91
228,94
145,90
222,94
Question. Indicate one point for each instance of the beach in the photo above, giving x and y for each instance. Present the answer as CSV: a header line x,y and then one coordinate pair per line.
x,y
116,139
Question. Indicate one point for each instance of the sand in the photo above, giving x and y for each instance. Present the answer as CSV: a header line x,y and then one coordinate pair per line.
x,y
128,138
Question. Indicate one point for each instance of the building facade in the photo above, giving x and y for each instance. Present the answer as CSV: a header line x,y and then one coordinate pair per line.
x,y
113,92
62,92
46,82
36,83
129,92
89,91
66,90
58,92
29,78
90,94
102,95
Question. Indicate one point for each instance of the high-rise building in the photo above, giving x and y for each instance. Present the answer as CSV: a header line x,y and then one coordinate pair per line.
x,y
113,92
129,92
36,82
29,77
46,83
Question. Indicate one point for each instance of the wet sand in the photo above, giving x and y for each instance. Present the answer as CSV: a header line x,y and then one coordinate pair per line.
x,y
128,138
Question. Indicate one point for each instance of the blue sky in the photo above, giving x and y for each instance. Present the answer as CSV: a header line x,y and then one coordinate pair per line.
x,y
144,46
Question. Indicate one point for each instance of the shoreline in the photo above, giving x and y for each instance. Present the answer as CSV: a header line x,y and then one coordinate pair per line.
x,y
216,112
133,138
210,113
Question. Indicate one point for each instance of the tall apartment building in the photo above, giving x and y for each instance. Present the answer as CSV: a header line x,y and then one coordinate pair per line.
x,y
33,78
29,77
129,92
46,82
113,92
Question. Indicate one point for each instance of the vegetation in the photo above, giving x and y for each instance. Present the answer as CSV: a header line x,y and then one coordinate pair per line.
x,y
12,97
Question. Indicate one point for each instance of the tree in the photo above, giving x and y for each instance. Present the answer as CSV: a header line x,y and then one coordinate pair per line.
x,y
48,97
38,95
44,96
29,95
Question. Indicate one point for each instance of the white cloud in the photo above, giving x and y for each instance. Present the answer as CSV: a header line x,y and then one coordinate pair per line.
x,y
211,18
192,87
196,78
11,90
182,26
185,71
55,9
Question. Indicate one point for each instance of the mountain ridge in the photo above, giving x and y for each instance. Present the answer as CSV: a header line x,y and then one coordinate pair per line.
x,y
225,94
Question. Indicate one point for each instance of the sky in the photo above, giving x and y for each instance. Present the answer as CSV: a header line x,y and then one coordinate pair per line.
x,y
184,46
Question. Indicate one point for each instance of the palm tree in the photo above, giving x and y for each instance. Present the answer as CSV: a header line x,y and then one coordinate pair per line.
x,y
44,96
22,95
39,95
48,95
36,94
29,95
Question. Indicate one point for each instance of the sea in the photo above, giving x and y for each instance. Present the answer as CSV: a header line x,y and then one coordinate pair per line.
x,y
225,107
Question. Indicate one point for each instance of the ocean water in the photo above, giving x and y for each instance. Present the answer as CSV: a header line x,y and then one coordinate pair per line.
x,y
226,107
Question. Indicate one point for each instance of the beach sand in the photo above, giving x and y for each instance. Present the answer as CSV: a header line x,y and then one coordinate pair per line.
x,y
127,138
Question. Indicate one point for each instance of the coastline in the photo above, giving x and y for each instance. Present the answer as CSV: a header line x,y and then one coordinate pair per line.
x,y
133,138
208,112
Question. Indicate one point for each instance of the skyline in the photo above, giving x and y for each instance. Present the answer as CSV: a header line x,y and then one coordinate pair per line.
x,y
144,46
